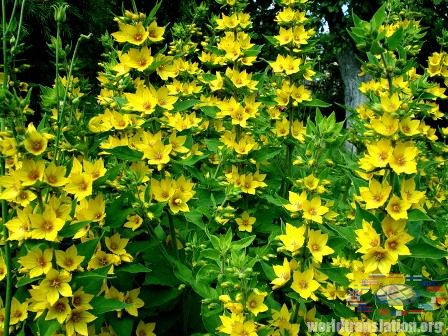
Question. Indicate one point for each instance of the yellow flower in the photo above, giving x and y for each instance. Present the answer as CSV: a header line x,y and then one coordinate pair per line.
x,y
378,258
116,244
390,104
55,175
35,142
283,273
46,225
245,222
367,237
304,284
3,269
20,227
164,99
317,245
36,262
138,59
69,260
313,210
80,300
55,284
162,190
285,36
311,182
143,100
255,302
241,79
282,127
396,245
134,302
410,127
392,227
135,34
286,64
80,185
158,153
145,329
178,201
296,201
376,194
95,169
380,153
301,94
387,125
177,143
294,238
408,192
19,311
31,172
403,158
77,322
397,208
60,310
298,131
133,222
155,33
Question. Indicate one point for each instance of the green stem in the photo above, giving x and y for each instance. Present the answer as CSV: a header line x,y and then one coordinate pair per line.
x,y
61,107
20,24
56,80
388,74
6,249
134,6
5,58
173,234
13,13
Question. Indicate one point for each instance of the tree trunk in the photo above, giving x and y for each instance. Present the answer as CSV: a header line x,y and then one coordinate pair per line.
x,y
349,68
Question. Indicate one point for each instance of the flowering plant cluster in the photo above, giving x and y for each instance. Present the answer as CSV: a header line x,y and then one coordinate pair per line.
x,y
202,191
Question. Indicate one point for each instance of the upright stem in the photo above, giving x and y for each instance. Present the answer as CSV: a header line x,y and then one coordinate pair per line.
x,y
61,107
5,58
6,248
20,24
58,107
173,234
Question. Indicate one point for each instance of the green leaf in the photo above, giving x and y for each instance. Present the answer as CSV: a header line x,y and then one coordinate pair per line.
x,y
418,215
315,103
395,40
91,281
243,243
125,153
195,217
47,328
425,250
103,305
271,40
87,249
340,309
210,319
184,105
123,326
153,13
160,296
25,281
134,268
336,274
379,17
69,229
116,213
210,111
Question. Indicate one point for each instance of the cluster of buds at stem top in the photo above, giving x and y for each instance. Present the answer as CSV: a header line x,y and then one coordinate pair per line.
x,y
60,12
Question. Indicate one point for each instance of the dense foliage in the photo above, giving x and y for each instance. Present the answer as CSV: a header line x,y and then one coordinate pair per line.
x,y
197,188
